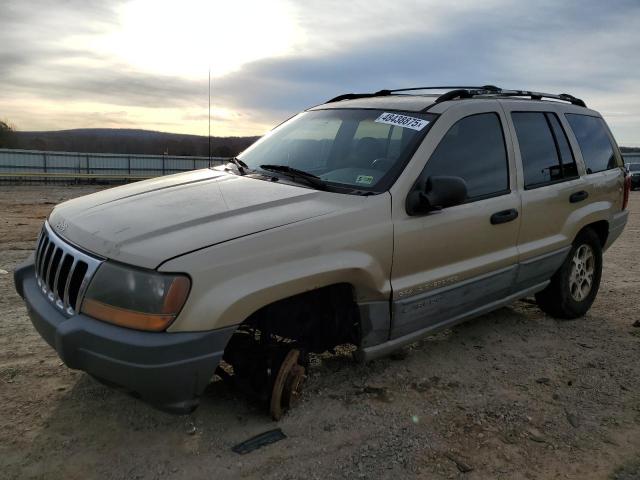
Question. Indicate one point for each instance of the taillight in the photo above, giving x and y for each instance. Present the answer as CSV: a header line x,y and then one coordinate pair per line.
x,y
627,189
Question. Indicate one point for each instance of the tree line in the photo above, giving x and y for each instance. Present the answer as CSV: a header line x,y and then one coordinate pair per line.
x,y
134,142
7,135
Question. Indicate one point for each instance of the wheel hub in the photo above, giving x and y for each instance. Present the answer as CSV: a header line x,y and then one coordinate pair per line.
x,y
287,386
582,272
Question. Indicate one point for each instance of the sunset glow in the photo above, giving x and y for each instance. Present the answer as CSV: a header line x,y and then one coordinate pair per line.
x,y
185,38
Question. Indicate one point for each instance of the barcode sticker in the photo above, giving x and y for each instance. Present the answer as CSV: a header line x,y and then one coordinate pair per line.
x,y
402,121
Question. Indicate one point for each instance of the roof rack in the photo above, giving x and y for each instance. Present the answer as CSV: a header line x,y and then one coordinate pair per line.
x,y
455,93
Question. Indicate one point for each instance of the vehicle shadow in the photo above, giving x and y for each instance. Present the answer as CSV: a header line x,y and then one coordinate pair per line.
x,y
91,417
107,429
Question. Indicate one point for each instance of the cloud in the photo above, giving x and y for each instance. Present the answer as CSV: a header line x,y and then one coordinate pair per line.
x,y
586,48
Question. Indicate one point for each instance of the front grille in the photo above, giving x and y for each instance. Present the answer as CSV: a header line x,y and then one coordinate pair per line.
x,y
62,271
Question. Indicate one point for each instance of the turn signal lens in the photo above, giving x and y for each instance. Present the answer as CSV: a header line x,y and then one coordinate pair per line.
x,y
126,318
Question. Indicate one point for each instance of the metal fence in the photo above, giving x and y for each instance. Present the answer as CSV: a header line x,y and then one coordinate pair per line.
x,y
37,165
21,165
631,157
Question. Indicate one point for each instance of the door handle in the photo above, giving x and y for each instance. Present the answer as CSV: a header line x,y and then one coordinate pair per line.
x,y
578,196
504,216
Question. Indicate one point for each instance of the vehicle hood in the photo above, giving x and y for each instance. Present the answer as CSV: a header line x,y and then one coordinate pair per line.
x,y
149,222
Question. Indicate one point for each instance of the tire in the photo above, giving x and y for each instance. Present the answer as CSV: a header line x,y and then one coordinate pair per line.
x,y
574,286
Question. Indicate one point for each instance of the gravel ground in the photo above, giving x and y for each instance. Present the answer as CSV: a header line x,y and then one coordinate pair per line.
x,y
511,395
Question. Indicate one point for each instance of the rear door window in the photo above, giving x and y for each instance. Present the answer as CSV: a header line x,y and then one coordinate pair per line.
x,y
595,144
569,168
540,161
545,152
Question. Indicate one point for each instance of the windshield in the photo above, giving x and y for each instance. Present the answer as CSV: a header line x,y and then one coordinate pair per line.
x,y
634,167
347,148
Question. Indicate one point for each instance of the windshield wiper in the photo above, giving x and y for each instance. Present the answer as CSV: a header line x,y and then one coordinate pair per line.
x,y
242,167
294,173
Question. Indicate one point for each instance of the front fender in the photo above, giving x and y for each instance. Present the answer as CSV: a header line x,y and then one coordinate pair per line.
x,y
230,281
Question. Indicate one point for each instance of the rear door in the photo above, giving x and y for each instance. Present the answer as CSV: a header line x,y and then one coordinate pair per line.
x,y
448,263
551,188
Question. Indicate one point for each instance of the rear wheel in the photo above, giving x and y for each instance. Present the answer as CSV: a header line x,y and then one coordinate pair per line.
x,y
574,286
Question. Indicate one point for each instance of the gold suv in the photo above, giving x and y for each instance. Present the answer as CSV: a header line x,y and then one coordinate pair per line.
x,y
373,219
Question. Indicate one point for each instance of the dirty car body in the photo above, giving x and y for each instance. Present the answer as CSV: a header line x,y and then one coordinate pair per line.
x,y
371,219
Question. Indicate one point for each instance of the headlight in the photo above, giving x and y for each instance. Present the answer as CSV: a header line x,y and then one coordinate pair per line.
x,y
141,299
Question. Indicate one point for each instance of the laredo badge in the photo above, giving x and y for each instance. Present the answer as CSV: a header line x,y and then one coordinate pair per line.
x,y
402,121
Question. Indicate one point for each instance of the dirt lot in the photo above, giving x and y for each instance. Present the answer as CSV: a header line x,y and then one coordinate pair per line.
x,y
512,395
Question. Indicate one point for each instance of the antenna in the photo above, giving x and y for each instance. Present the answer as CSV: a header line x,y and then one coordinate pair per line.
x,y
209,117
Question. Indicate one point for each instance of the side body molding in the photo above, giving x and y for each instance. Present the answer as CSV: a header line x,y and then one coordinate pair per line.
x,y
424,314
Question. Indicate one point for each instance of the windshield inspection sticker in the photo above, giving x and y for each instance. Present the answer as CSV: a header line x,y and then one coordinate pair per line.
x,y
366,179
402,121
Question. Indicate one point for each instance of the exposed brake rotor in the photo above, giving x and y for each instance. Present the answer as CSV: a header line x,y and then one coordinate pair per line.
x,y
287,386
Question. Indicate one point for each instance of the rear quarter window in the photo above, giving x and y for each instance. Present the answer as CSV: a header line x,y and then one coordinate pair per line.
x,y
596,147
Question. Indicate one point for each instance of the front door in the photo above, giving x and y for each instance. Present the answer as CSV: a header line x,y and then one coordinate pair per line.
x,y
450,263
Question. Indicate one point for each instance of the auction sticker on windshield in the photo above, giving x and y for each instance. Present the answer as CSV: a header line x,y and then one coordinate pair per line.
x,y
402,121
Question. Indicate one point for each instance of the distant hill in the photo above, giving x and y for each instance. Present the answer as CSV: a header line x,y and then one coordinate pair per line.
x,y
134,141
116,140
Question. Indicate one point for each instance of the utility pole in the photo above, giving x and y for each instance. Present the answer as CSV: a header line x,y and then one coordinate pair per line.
x,y
209,117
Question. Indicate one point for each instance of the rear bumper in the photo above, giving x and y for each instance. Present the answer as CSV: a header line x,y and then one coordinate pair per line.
x,y
616,226
168,370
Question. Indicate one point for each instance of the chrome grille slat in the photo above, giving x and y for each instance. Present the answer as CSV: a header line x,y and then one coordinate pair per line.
x,y
46,264
41,239
39,255
43,251
51,267
56,278
68,283
52,253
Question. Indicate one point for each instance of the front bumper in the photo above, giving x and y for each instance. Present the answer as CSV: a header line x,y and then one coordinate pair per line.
x,y
168,370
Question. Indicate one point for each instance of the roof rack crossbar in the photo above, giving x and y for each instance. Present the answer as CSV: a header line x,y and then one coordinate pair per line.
x,y
510,93
540,95
484,87
351,96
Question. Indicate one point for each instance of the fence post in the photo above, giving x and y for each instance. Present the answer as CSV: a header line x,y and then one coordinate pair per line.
x,y
129,165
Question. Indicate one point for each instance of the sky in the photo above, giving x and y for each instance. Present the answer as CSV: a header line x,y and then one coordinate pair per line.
x,y
145,63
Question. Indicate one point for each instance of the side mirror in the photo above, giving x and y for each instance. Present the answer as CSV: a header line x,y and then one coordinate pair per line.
x,y
436,193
